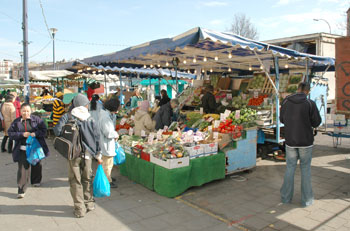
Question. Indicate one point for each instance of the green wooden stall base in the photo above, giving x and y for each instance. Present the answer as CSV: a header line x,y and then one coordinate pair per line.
x,y
173,182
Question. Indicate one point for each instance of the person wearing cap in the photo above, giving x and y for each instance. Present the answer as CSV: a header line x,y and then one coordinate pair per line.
x,y
143,120
79,169
164,114
58,108
108,137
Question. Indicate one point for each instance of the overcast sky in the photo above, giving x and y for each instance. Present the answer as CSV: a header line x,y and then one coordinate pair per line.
x,y
89,27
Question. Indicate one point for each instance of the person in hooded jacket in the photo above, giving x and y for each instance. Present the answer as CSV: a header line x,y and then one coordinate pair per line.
x,y
299,116
22,127
163,116
108,137
165,98
143,120
79,169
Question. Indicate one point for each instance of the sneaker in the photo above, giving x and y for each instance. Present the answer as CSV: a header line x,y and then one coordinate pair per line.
x,y
78,215
36,185
20,195
90,208
3,150
113,185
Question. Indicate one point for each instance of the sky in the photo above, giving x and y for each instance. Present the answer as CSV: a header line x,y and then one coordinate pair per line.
x,y
88,27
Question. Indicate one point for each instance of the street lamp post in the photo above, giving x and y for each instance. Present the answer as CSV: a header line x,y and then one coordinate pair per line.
x,y
20,66
53,32
321,19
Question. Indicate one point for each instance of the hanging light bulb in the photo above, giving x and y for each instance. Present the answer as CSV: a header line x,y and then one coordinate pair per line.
x,y
158,65
205,59
195,71
230,56
286,66
229,69
203,70
216,58
211,69
194,60
151,66
185,61
250,68
144,66
261,67
167,64
188,71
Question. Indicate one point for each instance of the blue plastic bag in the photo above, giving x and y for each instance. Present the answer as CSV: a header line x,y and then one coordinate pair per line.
x,y
101,186
34,151
119,158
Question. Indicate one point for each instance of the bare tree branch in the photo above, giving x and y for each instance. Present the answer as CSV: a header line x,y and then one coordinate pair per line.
x,y
242,26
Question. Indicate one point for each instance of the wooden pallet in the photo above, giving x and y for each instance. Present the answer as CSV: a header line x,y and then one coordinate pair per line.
x,y
268,88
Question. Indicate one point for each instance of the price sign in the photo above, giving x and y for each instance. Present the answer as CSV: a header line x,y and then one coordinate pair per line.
x,y
165,128
122,121
266,101
216,135
201,111
229,96
175,134
131,131
227,113
210,119
159,134
210,128
237,114
256,94
222,117
216,123
150,138
244,96
132,117
143,133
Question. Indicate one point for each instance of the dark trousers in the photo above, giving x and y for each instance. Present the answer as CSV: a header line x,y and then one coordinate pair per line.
x,y
3,144
26,171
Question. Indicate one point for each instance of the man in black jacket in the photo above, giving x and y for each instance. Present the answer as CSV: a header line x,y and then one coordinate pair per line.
x,y
208,100
299,116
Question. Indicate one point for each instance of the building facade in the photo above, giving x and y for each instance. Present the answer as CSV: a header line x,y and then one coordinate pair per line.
x,y
6,69
322,44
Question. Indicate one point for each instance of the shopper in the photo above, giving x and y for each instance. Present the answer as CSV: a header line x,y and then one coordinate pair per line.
x,y
299,116
208,101
165,98
8,112
95,107
108,136
17,104
58,108
24,126
143,120
135,99
79,169
164,114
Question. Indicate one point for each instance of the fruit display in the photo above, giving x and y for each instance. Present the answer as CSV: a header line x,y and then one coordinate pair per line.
x,y
257,101
192,117
214,116
125,126
295,79
170,149
247,115
239,102
292,88
257,82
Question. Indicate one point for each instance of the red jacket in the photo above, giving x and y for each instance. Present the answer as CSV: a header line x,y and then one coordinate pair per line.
x,y
17,105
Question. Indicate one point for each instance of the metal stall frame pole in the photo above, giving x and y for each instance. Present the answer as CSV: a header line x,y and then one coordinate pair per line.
x,y
25,52
106,89
121,86
277,72
62,84
307,70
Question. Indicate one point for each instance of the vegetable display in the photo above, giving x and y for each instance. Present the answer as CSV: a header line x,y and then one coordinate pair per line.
x,y
257,101
257,82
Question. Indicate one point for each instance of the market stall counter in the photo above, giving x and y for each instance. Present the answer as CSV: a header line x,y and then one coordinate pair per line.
x,y
173,182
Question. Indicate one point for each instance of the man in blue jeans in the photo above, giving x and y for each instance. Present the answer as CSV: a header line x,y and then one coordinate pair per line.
x,y
299,116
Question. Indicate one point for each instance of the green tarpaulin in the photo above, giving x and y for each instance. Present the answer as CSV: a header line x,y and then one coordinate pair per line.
x,y
173,182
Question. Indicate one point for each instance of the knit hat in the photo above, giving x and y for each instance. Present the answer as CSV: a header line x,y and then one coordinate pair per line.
x,y
144,105
59,94
80,100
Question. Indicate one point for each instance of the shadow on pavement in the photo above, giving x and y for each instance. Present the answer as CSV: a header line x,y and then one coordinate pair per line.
x,y
37,210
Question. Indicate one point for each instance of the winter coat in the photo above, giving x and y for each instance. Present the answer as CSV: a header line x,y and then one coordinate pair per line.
x,y
299,115
108,133
17,105
95,113
16,131
88,126
209,103
144,122
164,100
134,101
163,116
8,111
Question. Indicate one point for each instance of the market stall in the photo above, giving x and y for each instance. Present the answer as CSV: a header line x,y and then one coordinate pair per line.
x,y
250,79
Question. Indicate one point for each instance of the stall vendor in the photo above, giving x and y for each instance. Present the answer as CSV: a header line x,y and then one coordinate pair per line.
x,y
164,114
165,98
135,99
208,100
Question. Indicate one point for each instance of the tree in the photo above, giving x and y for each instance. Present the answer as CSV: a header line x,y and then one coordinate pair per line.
x,y
242,26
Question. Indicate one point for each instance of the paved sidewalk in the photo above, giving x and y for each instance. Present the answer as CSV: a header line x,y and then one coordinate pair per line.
x,y
248,201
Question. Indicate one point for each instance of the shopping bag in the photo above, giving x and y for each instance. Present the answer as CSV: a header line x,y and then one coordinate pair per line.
x,y
119,158
34,151
101,186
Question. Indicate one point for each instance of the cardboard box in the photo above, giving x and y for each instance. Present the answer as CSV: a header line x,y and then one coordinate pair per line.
x,y
339,123
171,163
210,148
339,117
195,150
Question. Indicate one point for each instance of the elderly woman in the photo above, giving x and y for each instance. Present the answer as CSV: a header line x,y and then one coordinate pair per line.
x,y
8,112
143,120
24,126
